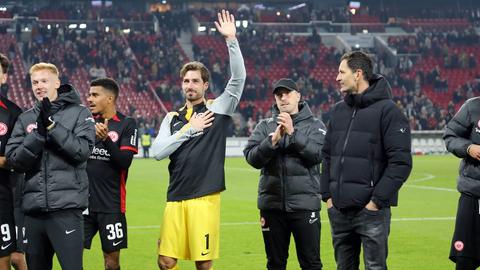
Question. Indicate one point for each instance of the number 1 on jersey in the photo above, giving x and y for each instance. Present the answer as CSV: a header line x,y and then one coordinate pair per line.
x,y
207,237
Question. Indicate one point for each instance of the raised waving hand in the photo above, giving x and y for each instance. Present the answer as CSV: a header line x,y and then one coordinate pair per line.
x,y
226,24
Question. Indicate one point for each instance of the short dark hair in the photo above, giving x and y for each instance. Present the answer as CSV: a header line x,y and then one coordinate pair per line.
x,y
107,83
4,62
359,60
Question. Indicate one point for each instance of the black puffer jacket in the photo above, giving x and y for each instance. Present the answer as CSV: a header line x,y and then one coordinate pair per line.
x,y
290,176
55,166
462,131
367,149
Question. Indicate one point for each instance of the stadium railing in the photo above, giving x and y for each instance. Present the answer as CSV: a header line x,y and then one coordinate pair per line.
x,y
428,142
423,143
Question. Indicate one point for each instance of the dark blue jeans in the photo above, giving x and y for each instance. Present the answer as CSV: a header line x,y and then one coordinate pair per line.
x,y
355,228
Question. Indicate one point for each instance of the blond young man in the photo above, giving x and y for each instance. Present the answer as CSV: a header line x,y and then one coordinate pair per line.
x,y
51,143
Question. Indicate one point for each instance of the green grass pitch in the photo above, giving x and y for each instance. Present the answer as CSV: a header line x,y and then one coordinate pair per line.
x,y
420,235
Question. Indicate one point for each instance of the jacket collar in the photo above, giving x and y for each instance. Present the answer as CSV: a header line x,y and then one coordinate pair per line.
x,y
196,108
3,105
304,112
379,89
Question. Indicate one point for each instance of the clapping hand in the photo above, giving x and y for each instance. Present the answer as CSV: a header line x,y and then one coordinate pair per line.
x,y
101,130
285,120
277,135
43,119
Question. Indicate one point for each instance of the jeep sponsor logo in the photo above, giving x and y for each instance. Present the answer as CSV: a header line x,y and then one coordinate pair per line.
x,y
99,152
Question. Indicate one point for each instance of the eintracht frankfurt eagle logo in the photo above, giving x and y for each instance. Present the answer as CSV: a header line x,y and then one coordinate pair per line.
x,y
3,129
31,127
113,136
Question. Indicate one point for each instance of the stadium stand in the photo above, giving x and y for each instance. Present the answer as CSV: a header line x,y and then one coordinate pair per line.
x,y
429,55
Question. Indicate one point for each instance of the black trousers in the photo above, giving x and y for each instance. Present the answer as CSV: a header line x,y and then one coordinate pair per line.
x,y
465,247
278,226
59,232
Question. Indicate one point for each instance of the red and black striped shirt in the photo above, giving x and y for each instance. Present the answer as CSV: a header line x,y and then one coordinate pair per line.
x,y
108,164
9,113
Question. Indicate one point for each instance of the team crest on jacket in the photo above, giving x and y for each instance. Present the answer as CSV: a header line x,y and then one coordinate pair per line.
x,y
31,127
458,245
113,136
3,129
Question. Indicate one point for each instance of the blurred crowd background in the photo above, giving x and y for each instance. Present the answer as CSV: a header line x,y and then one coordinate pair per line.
x,y
428,51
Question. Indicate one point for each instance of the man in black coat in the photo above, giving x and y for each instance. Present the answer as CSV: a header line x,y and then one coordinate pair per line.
x,y
51,144
366,160
462,138
287,149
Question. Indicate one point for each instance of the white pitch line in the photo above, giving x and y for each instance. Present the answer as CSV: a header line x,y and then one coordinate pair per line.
x,y
424,219
144,227
432,188
241,169
323,221
426,178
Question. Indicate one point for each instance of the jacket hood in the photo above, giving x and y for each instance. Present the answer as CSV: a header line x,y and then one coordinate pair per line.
x,y
304,112
379,89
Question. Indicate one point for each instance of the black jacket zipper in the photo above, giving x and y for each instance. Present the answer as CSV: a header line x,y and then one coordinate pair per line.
x,y
283,177
45,174
342,157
